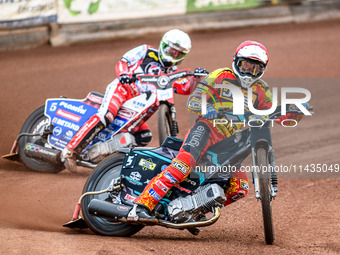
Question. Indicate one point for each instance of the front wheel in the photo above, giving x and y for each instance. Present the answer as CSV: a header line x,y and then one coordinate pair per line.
x,y
35,124
265,192
100,179
164,123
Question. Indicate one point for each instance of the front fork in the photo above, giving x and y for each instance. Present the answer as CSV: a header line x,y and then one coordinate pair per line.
x,y
174,126
273,174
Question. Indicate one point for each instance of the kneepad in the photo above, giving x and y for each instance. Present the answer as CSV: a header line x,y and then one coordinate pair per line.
x,y
197,139
143,137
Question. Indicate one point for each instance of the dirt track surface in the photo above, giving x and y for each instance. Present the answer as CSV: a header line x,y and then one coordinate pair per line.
x,y
306,212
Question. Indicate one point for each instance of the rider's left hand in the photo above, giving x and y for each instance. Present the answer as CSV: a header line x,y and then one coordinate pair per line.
x,y
306,105
125,79
199,71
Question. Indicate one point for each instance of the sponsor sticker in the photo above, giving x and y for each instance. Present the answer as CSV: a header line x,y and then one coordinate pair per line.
x,y
196,136
69,134
190,182
138,106
244,184
129,197
126,113
162,186
135,176
153,55
182,189
154,194
195,104
147,164
121,208
163,81
118,122
132,181
130,162
170,177
68,115
78,109
180,166
65,123
57,131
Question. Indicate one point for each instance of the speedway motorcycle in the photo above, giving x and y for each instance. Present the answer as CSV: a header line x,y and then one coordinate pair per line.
x,y
107,202
47,131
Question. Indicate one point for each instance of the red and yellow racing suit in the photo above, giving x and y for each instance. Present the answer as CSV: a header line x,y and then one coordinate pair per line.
x,y
203,134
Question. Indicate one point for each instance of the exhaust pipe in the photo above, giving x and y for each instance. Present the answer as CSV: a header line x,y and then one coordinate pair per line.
x,y
104,209
119,212
42,153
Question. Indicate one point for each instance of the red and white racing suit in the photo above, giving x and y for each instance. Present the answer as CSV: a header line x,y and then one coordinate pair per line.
x,y
203,134
140,60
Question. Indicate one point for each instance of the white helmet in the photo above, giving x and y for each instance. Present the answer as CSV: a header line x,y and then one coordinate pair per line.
x,y
250,61
174,47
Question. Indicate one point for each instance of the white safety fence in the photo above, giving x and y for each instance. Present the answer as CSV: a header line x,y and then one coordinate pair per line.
x,y
26,13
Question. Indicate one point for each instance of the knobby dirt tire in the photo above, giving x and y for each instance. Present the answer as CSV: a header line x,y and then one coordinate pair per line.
x,y
265,191
100,179
164,123
34,124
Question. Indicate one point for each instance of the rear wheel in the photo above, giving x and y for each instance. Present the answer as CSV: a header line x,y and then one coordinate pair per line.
x,y
35,124
164,123
265,192
100,179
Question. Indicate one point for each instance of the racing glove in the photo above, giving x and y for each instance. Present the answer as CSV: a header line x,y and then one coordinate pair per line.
x,y
306,105
125,79
211,113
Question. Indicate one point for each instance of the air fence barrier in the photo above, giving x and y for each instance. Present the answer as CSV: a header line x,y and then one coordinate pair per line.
x,y
27,24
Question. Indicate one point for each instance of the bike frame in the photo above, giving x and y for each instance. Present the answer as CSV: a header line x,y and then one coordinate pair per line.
x,y
163,84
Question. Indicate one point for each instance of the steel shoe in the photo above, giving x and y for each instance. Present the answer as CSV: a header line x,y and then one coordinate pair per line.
x,y
142,214
70,160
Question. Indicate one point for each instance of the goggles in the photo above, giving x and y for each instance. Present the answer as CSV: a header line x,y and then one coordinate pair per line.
x,y
253,68
172,52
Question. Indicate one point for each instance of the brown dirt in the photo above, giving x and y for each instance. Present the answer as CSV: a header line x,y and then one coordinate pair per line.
x,y
306,212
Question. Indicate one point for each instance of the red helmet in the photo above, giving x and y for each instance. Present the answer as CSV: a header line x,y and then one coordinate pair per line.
x,y
250,61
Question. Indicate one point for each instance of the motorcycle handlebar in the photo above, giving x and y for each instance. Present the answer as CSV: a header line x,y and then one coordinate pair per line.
x,y
196,74
134,77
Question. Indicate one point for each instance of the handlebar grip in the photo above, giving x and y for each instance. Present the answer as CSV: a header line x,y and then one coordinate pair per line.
x,y
132,80
199,74
222,109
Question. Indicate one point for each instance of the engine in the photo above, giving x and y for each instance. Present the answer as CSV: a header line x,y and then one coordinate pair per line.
x,y
187,208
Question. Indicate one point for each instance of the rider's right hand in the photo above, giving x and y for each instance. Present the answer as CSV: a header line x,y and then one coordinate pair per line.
x,y
125,79
211,113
